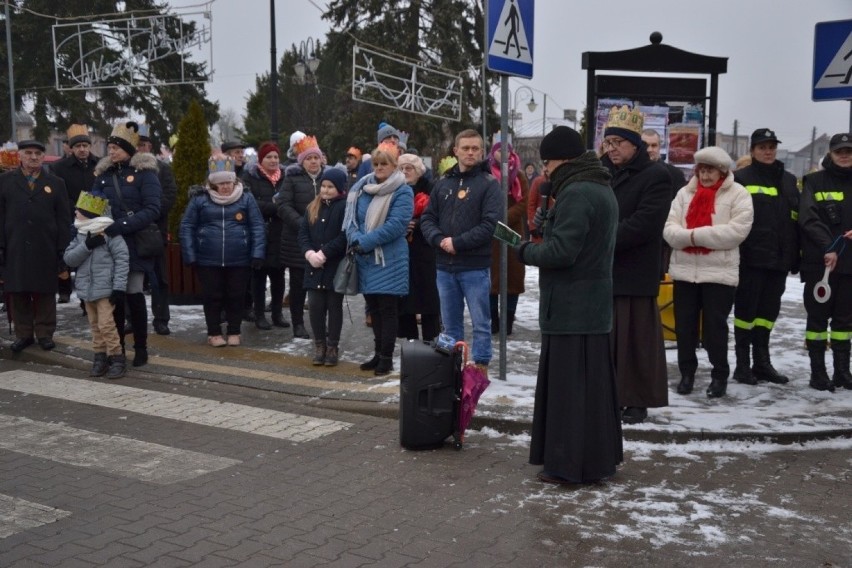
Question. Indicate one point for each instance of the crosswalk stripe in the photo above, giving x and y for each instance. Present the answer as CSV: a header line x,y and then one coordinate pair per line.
x,y
126,457
18,515
243,418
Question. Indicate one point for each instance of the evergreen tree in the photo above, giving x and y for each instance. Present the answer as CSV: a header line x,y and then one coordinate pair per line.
x,y
192,152
35,73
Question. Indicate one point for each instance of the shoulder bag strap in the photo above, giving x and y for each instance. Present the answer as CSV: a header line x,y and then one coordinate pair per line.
x,y
120,198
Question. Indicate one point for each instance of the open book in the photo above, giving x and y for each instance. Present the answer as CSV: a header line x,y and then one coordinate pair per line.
x,y
505,233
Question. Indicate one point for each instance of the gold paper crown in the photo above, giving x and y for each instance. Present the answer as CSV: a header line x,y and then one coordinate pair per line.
x,y
446,164
127,131
92,203
625,118
219,164
305,143
389,148
77,130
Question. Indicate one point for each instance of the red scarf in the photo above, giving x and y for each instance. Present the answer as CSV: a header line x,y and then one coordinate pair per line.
x,y
700,212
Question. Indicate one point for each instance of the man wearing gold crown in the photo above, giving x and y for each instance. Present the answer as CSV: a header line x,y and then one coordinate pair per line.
x,y
643,190
35,220
77,170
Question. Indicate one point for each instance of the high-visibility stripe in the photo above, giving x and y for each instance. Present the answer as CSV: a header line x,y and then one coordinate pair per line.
x,y
828,196
760,322
816,335
763,190
841,335
742,324
794,215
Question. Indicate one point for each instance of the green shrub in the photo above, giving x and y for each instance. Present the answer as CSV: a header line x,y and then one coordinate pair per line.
x,y
191,153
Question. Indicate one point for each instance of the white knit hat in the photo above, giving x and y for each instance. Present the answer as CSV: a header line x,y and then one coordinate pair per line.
x,y
714,156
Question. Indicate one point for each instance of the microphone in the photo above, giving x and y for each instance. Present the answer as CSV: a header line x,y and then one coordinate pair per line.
x,y
544,191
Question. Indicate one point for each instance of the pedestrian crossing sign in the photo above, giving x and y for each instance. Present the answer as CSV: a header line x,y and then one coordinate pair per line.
x,y
510,37
832,79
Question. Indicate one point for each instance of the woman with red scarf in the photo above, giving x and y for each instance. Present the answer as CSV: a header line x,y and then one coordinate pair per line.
x,y
517,212
708,220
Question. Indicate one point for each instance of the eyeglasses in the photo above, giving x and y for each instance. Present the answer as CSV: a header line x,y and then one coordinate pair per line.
x,y
406,168
611,143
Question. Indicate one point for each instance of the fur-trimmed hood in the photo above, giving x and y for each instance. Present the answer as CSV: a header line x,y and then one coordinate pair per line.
x,y
139,161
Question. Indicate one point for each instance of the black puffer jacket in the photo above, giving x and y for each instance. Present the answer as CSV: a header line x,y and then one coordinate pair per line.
x,y
299,189
465,206
825,213
327,235
77,175
773,242
264,193
643,191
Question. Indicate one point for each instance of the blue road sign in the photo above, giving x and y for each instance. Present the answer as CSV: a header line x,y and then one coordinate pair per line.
x,y
832,78
510,37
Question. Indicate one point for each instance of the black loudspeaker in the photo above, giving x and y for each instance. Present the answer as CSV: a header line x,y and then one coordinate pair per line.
x,y
430,389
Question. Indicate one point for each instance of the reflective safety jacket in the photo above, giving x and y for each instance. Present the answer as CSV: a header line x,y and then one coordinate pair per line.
x,y
825,213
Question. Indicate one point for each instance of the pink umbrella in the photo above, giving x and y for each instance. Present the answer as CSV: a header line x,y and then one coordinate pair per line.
x,y
474,383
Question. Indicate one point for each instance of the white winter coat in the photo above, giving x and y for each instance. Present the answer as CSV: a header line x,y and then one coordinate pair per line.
x,y
731,224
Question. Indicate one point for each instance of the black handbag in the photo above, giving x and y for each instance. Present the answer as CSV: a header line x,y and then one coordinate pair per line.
x,y
149,240
346,276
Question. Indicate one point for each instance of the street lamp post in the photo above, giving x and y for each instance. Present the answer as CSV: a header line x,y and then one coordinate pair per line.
x,y
273,77
308,62
532,105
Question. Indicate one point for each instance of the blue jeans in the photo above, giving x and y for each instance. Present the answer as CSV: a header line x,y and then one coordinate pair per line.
x,y
473,287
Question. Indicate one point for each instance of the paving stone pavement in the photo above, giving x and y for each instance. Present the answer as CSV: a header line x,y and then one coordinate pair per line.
x,y
353,497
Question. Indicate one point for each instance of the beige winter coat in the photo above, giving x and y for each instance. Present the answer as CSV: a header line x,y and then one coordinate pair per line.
x,y
731,224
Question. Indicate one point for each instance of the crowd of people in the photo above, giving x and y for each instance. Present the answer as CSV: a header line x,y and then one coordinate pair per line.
x,y
603,227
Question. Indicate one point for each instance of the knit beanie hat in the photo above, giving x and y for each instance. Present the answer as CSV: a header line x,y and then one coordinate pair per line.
x,y
386,131
220,169
412,160
305,148
296,137
76,134
266,148
335,176
626,123
562,143
92,204
125,135
713,156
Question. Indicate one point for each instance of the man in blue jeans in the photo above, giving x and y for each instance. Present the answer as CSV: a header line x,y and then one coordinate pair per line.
x,y
459,222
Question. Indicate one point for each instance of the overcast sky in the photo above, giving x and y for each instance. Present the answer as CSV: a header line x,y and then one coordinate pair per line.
x,y
769,44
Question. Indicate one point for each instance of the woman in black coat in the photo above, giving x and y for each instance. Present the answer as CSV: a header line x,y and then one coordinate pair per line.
x,y
323,244
422,295
265,179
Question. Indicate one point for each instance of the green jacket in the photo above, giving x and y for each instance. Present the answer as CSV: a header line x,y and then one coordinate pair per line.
x,y
575,256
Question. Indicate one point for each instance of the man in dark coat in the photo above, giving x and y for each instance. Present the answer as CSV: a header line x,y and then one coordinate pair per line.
x,y
35,221
768,254
576,434
643,190
77,170
159,279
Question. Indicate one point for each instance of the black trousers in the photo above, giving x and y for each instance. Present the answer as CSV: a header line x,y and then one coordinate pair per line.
x,y
714,301
297,296
837,310
757,302
383,309
325,304
160,291
276,287
223,287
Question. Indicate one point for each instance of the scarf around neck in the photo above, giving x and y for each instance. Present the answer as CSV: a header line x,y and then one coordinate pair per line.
x,y
220,199
93,226
701,209
271,176
377,210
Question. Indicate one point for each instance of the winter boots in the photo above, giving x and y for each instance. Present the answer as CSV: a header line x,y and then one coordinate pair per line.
x,y
842,377
371,364
763,369
718,386
99,365
384,367
742,349
139,317
319,352
117,367
686,382
331,354
819,376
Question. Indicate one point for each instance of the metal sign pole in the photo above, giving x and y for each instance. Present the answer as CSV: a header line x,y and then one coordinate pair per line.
x,y
504,191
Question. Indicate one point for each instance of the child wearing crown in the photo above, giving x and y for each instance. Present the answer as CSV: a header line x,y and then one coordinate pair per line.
x,y
102,264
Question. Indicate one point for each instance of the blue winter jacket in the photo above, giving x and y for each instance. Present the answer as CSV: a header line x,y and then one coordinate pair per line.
x,y
391,277
222,235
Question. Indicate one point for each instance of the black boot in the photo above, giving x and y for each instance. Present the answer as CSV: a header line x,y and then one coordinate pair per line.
x,y
261,322
842,377
742,343
819,376
686,382
718,387
319,352
139,317
117,367
278,319
384,367
371,364
510,322
99,365
763,369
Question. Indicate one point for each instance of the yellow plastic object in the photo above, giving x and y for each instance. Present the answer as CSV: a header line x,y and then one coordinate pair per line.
x,y
665,303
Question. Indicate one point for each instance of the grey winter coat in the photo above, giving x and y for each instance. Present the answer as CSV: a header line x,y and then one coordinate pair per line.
x,y
101,270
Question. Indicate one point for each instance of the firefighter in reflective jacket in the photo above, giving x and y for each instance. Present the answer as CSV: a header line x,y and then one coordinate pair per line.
x,y
825,217
770,252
